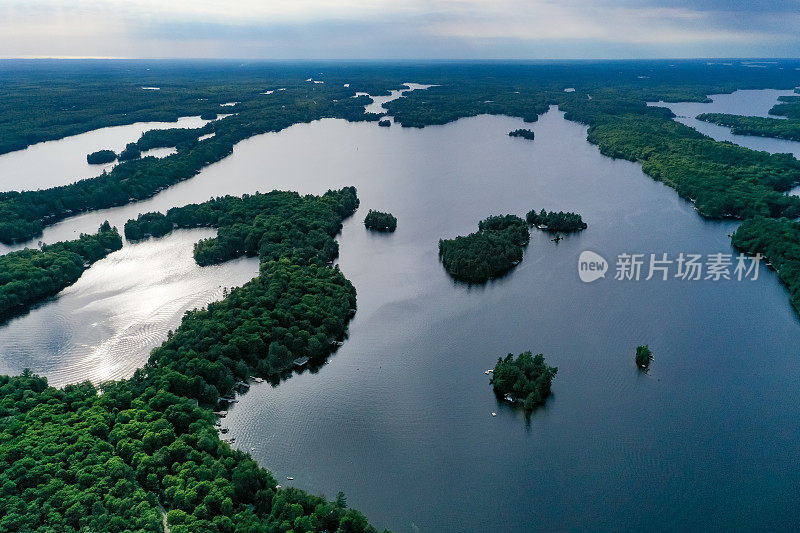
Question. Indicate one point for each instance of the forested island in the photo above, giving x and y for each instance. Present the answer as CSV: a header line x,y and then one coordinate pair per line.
x,y
379,221
525,134
31,275
643,356
101,157
524,378
553,221
758,126
72,459
384,123
488,253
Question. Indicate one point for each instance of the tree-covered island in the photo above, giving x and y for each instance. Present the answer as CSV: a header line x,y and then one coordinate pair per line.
x,y
524,378
488,253
553,221
101,157
525,134
380,221
643,356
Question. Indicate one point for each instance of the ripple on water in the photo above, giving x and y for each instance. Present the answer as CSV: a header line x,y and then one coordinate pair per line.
x,y
104,326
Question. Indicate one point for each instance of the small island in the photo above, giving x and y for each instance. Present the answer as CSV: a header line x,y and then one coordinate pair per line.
x,y
525,134
379,221
553,221
384,123
208,115
524,378
643,356
488,253
101,157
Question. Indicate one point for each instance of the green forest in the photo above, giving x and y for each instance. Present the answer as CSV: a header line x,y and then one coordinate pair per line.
x,y
488,253
73,460
380,221
757,126
524,378
31,275
778,241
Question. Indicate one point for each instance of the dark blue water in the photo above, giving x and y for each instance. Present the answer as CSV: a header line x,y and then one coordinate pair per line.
x,y
400,417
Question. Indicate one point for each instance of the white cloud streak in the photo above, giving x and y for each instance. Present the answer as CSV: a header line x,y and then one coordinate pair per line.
x,y
401,28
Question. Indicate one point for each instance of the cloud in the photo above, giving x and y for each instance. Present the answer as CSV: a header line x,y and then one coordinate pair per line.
x,y
297,29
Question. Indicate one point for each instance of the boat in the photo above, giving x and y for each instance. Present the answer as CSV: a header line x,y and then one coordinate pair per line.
x,y
508,398
494,414
290,478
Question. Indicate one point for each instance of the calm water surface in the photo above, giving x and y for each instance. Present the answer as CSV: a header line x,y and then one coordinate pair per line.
x,y
753,103
400,417
60,162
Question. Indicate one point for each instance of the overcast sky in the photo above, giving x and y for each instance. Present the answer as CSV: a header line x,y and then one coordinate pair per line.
x,y
400,29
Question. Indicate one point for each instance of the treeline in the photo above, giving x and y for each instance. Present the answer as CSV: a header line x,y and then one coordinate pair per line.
x,y
524,378
23,215
757,126
488,253
525,134
380,221
274,225
722,180
29,276
778,241
73,460
553,221
788,107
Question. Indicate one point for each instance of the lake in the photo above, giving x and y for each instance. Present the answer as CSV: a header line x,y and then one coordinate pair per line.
x,y
63,161
400,417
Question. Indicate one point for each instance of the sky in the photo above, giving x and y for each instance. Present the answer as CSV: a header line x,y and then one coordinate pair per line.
x,y
400,29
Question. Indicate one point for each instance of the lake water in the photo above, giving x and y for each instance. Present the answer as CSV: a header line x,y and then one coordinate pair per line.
x,y
753,103
53,163
400,417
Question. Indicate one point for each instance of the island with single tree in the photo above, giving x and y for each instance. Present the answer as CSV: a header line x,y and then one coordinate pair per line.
x,y
553,221
101,157
643,356
525,134
488,253
525,378
380,221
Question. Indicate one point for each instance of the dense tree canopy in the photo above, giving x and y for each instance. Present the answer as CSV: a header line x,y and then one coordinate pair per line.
x,y
73,460
758,126
778,241
525,378
492,251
